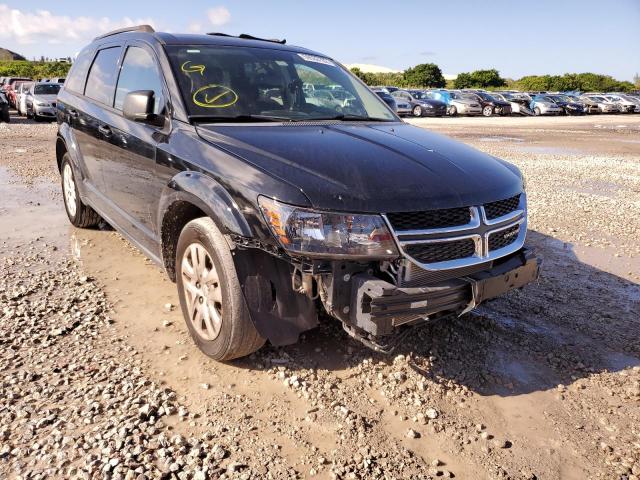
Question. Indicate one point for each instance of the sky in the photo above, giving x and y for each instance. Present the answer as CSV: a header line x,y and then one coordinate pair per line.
x,y
518,37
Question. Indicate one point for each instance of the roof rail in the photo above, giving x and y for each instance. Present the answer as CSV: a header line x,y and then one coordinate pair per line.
x,y
137,28
246,36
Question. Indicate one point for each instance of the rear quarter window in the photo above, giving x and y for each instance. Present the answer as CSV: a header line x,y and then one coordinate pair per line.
x,y
101,82
78,73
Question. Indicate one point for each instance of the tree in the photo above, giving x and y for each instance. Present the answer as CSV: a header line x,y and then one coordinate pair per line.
x,y
368,78
480,79
463,80
424,75
636,81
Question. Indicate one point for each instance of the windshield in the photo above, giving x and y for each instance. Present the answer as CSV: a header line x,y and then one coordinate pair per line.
x,y
486,96
420,95
224,83
46,89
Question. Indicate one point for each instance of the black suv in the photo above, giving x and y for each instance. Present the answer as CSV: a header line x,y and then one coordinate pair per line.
x,y
267,204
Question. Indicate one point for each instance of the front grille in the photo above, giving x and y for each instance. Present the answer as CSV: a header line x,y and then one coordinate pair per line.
x,y
415,276
441,251
503,238
501,207
449,217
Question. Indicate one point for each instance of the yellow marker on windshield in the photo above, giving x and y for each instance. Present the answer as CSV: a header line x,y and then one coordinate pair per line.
x,y
192,68
214,96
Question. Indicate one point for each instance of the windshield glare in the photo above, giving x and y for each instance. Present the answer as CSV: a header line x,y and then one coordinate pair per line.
x,y
46,89
420,95
231,82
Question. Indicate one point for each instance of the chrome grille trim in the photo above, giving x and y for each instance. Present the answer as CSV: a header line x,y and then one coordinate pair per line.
x,y
478,229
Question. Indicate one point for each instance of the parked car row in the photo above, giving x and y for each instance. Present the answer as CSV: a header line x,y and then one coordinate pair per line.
x,y
33,99
441,102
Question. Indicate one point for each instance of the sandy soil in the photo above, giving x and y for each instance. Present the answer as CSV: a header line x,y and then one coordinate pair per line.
x,y
100,377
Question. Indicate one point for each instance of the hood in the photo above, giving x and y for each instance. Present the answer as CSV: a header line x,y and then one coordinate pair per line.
x,y
465,101
373,167
432,102
45,98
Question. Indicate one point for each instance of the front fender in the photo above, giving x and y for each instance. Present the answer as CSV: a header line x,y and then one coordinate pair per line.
x,y
209,196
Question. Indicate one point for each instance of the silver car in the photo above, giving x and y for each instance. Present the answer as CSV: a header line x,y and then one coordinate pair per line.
x,y
41,102
464,104
604,105
21,97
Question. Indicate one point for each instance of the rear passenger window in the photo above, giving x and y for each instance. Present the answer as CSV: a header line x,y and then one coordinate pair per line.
x,y
78,73
101,83
139,72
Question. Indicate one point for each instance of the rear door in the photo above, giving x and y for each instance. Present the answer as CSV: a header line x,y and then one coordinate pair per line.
x,y
90,110
130,170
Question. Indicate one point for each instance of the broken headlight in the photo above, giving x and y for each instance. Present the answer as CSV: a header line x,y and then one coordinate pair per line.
x,y
315,233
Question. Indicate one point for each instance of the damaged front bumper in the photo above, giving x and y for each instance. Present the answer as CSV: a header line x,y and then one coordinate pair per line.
x,y
283,295
376,307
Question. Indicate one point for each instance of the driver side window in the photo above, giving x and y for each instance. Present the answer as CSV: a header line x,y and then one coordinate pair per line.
x,y
139,72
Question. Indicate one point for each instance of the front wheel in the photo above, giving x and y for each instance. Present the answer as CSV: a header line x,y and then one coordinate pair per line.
x,y
453,111
80,215
537,112
417,111
211,298
487,111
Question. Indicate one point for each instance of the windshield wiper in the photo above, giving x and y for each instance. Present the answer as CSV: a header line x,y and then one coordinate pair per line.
x,y
238,118
350,118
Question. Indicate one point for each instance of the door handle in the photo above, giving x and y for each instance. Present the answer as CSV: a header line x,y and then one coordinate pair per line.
x,y
105,130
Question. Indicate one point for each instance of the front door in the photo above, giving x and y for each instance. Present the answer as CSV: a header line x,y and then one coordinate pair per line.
x,y
130,172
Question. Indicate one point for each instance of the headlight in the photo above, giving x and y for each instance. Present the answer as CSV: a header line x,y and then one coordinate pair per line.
x,y
306,231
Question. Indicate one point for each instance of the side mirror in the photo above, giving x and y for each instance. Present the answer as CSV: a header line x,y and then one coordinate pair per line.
x,y
138,107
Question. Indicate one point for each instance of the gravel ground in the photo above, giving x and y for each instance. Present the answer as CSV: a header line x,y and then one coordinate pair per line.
x,y
102,381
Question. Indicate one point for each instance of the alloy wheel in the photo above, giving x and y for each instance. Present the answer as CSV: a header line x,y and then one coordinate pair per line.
x,y
202,291
69,187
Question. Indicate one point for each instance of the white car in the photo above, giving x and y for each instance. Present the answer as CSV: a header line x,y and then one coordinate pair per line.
x,y
21,97
624,104
605,106
41,101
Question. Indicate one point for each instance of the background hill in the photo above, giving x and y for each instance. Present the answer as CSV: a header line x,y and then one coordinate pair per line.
x,y
9,55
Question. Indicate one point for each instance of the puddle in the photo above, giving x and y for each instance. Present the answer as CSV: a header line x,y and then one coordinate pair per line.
x,y
619,361
27,213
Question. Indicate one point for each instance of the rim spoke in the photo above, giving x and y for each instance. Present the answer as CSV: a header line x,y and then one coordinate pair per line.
x,y
187,269
211,276
199,275
216,295
210,326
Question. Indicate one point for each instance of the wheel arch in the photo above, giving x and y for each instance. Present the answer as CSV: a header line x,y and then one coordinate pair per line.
x,y
61,149
190,195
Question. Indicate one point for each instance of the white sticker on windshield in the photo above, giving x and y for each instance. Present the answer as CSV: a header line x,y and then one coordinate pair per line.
x,y
316,59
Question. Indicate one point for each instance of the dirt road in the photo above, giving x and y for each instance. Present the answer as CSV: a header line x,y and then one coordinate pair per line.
x,y
100,378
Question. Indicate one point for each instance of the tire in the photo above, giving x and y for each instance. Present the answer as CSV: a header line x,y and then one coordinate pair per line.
x,y
537,112
79,214
487,111
202,253
453,111
417,111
